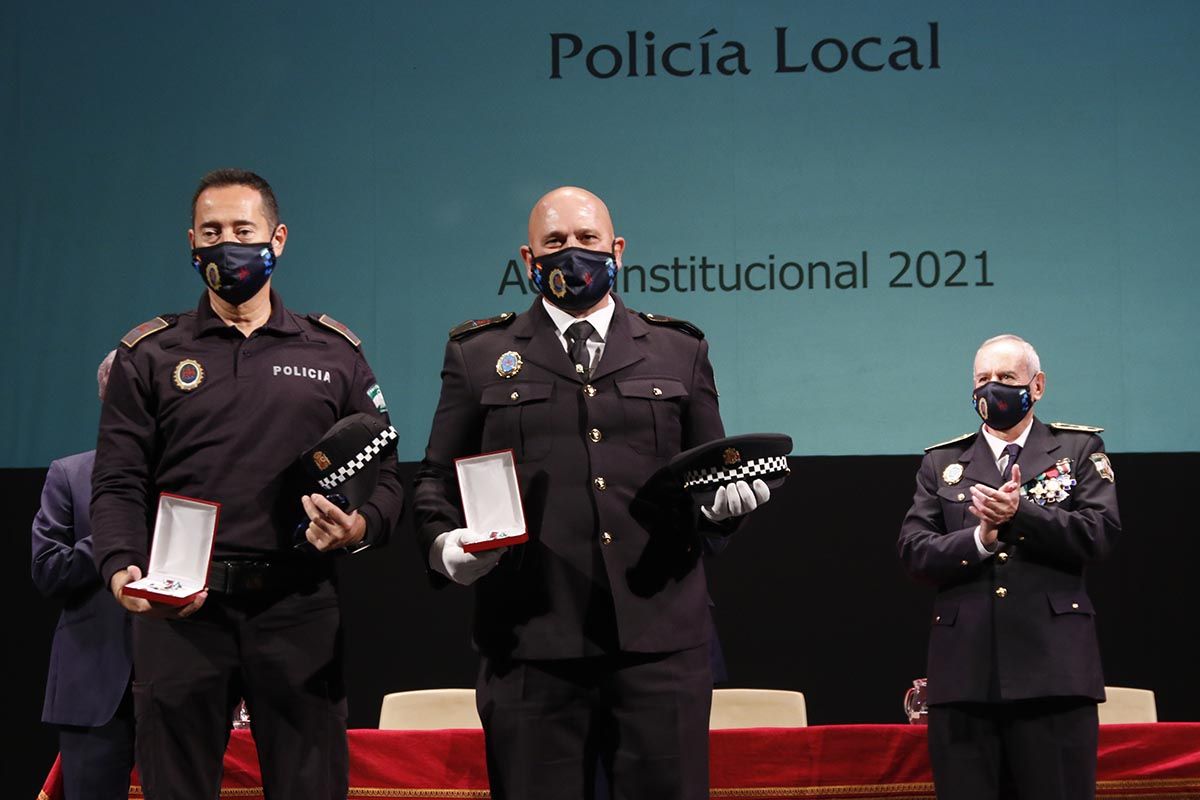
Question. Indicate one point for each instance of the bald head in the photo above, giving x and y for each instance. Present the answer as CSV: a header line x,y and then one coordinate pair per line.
x,y
570,217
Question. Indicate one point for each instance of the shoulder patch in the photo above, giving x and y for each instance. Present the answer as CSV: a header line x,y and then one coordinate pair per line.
x,y
333,325
148,328
955,440
1071,426
465,329
672,322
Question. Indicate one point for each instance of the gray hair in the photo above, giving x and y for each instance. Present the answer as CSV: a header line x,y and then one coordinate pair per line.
x,y
102,373
1032,362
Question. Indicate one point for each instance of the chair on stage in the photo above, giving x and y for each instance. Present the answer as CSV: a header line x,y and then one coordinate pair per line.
x,y
429,709
1125,705
757,708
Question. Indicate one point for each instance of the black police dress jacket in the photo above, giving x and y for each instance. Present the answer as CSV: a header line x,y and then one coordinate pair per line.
x,y
1019,624
613,558
199,409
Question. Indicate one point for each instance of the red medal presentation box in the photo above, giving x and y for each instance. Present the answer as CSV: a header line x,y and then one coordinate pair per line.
x,y
180,552
491,498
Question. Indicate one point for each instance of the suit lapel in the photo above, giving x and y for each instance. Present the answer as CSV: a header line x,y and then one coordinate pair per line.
x,y
978,464
544,347
1040,452
622,346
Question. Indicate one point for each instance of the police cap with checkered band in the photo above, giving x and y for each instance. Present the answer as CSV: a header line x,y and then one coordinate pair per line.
x,y
706,468
346,460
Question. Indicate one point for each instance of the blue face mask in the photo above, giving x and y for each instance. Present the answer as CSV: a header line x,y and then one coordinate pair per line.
x,y
234,270
574,279
1001,405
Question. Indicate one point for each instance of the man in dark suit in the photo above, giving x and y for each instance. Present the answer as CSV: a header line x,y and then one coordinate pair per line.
x,y
87,688
594,634
1003,523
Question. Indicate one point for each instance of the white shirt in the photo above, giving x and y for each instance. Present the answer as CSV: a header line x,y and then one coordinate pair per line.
x,y
600,319
997,445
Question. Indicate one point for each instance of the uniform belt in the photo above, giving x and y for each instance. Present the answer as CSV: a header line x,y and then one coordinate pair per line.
x,y
239,577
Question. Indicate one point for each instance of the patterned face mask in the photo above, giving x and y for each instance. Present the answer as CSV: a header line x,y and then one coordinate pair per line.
x,y
574,279
1001,405
235,271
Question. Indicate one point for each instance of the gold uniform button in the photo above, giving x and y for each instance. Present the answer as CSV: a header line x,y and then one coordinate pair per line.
x,y
1002,592
1074,605
1021,538
514,396
938,618
1002,557
606,538
595,435
589,390
961,496
966,563
600,484
657,392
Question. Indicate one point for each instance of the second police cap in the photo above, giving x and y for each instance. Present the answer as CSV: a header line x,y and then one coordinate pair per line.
x,y
704,469
346,460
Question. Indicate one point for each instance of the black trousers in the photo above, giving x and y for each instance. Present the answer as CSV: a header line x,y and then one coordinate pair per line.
x,y
1028,750
96,761
281,651
641,718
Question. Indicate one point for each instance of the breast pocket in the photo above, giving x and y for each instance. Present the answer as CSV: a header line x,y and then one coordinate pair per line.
x,y
515,416
956,500
653,411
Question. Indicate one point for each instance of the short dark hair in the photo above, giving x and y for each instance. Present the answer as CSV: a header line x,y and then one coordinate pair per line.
x,y
230,176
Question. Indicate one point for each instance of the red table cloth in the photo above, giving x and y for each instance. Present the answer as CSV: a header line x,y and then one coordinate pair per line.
x,y
846,762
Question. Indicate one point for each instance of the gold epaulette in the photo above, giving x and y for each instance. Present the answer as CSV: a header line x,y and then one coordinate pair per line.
x,y
334,325
951,441
681,324
148,328
1071,426
465,329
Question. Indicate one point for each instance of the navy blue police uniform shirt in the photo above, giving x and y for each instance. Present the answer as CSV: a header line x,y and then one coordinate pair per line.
x,y
196,408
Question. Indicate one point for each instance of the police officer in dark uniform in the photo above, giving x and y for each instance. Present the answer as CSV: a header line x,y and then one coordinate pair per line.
x,y
594,634
217,404
1003,523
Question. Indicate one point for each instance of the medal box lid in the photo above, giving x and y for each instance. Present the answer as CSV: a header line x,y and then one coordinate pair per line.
x,y
491,496
180,551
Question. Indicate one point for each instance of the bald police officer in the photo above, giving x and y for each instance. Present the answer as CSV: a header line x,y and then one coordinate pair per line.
x,y
1004,521
217,404
594,634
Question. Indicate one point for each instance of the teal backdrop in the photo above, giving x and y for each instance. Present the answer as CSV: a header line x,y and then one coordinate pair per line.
x,y
1055,141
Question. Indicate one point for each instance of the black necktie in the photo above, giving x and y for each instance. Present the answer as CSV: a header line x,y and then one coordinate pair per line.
x,y
1012,451
577,337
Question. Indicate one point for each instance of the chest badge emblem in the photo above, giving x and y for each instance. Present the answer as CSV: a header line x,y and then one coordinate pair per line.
x,y
321,460
952,474
509,364
188,375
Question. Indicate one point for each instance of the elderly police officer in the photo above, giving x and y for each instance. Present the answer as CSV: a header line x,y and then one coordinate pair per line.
x,y
217,404
594,633
1003,523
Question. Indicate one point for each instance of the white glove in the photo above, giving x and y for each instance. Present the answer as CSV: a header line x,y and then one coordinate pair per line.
x,y
736,499
447,557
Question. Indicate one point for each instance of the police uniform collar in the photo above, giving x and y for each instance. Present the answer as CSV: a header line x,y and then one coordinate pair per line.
x,y
280,322
600,319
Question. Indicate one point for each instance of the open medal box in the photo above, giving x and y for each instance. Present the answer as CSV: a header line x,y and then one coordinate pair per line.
x,y
491,497
179,552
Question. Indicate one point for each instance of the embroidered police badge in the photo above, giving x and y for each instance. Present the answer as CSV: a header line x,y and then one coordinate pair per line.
x,y
188,375
952,474
558,283
1103,467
